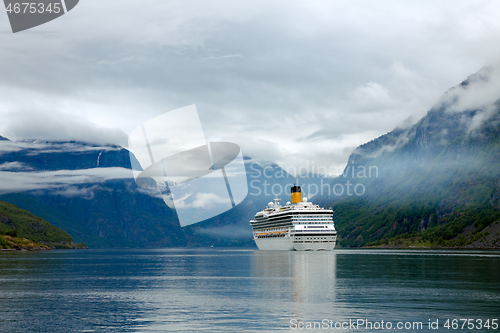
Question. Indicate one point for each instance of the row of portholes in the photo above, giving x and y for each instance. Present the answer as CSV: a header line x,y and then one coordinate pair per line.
x,y
325,241
271,236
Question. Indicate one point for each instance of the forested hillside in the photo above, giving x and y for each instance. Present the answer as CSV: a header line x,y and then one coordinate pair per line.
x,y
20,229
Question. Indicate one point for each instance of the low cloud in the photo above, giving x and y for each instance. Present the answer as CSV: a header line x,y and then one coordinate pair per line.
x,y
27,181
201,200
74,191
58,126
43,147
398,142
480,93
9,146
14,166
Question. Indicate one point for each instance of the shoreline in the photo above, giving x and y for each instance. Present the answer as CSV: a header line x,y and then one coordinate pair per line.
x,y
24,244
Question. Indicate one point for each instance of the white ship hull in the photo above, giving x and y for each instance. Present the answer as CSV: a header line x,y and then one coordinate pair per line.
x,y
294,244
315,246
275,244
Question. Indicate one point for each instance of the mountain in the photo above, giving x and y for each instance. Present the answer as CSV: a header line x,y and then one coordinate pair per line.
x,y
88,190
22,230
435,183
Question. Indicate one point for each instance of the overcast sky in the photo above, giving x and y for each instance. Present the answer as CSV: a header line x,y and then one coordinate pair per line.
x,y
294,82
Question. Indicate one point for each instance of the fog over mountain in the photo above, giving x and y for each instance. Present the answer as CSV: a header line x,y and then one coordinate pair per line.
x,y
441,174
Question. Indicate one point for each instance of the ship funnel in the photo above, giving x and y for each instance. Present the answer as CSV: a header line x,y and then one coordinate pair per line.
x,y
296,195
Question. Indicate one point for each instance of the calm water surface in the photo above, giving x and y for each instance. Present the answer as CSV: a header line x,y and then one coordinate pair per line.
x,y
188,290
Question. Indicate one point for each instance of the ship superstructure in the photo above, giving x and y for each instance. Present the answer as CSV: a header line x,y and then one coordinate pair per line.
x,y
299,225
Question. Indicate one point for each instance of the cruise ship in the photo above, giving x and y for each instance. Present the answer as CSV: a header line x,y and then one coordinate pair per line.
x,y
298,226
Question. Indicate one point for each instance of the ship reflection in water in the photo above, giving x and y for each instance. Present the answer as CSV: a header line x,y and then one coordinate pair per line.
x,y
302,280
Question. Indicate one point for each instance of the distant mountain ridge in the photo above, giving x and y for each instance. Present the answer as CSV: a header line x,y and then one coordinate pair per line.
x,y
37,155
94,201
434,179
107,209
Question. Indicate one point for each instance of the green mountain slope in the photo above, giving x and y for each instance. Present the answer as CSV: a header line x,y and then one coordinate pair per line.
x,y
16,224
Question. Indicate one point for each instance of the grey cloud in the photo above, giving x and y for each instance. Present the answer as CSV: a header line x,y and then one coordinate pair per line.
x,y
26,181
39,146
399,141
479,93
14,166
74,191
10,146
56,126
334,72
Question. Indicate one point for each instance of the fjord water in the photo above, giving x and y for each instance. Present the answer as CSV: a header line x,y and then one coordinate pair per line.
x,y
221,290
